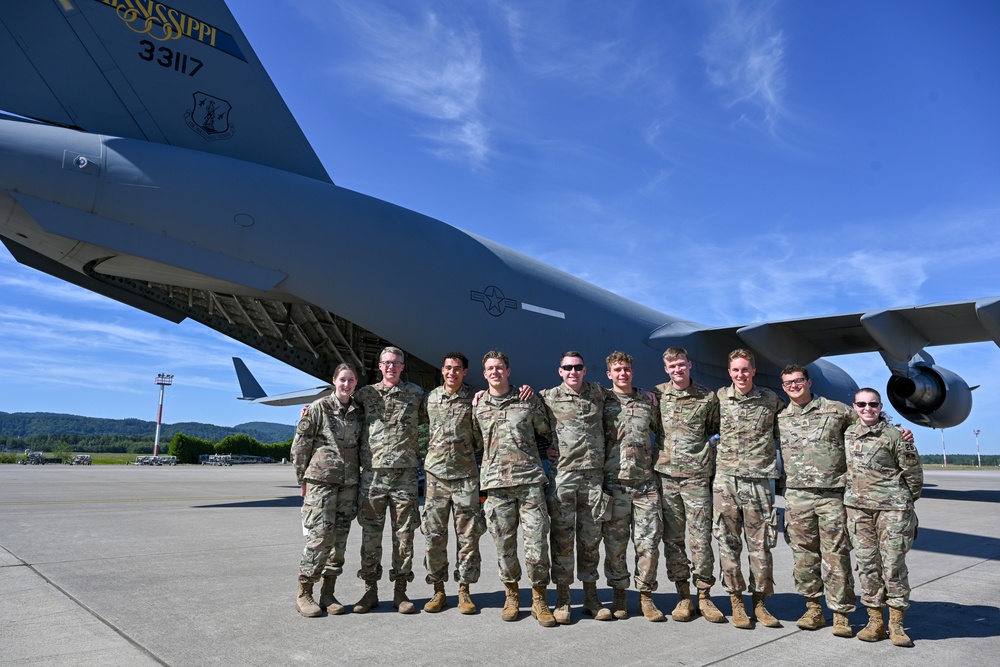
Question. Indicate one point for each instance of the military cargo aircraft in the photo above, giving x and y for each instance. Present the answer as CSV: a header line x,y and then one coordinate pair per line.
x,y
149,158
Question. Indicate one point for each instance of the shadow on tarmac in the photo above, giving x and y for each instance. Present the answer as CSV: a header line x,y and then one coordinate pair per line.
x,y
958,544
971,495
287,501
948,620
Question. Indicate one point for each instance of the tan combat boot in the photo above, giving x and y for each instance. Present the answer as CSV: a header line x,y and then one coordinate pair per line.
x,y
304,602
511,606
327,600
465,603
648,608
399,599
813,619
896,632
707,608
618,606
684,611
763,615
540,607
841,625
592,604
562,613
740,618
439,600
875,630
369,600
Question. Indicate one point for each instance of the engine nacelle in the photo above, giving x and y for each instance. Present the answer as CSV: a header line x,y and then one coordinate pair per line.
x,y
930,396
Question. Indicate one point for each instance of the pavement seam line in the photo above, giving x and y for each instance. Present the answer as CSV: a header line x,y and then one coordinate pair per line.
x,y
945,576
100,618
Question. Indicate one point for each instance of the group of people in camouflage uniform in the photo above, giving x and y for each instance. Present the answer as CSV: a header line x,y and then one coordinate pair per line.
x,y
850,477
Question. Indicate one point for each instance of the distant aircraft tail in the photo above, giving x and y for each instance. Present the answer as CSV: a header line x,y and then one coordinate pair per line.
x,y
248,383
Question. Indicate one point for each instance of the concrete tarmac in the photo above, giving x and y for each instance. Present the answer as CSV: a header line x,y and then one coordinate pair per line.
x,y
192,565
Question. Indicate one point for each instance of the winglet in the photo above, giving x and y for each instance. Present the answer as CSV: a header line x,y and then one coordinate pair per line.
x,y
248,383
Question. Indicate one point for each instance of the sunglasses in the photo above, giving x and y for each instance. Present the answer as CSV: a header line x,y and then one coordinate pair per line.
x,y
870,404
572,367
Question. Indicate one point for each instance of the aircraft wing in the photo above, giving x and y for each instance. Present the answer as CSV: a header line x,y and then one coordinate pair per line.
x,y
181,74
900,333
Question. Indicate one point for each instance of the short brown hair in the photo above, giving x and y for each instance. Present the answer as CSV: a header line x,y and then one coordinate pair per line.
x,y
392,349
672,353
572,353
496,354
617,357
742,353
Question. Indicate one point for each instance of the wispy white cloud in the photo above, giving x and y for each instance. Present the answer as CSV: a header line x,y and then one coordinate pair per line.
x,y
682,269
37,345
427,62
590,45
744,58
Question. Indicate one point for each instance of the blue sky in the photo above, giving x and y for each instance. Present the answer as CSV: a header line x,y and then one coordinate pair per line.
x,y
726,162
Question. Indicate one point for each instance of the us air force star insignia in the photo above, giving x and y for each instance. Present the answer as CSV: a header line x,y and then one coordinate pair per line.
x,y
494,301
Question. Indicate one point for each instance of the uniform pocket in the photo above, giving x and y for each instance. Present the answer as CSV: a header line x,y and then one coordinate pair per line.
x,y
600,504
771,529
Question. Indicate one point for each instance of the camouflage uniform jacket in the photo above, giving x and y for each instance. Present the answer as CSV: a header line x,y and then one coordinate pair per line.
x,y
628,421
506,426
578,425
325,448
812,443
748,429
689,417
883,470
389,439
451,447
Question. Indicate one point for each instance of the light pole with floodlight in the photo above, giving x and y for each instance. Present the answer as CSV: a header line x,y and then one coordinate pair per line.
x,y
163,380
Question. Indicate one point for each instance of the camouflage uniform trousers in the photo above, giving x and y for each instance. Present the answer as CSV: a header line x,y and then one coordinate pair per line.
x,y
440,496
881,539
395,489
816,530
577,505
508,507
687,507
743,507
635,509
327,513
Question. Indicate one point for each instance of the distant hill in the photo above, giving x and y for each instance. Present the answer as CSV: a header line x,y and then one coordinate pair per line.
x,y
27,424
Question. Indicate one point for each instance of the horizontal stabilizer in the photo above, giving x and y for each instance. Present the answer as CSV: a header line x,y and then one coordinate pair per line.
x,y
253,392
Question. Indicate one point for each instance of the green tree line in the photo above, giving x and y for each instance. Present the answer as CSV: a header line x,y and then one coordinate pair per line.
x,y
50,424
960,459
188,449
91,444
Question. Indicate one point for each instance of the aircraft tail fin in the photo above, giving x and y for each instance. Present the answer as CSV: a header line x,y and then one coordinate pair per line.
x,y
249,386
180,73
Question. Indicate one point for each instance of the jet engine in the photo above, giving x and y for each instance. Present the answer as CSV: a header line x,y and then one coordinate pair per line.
x,y
929,395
